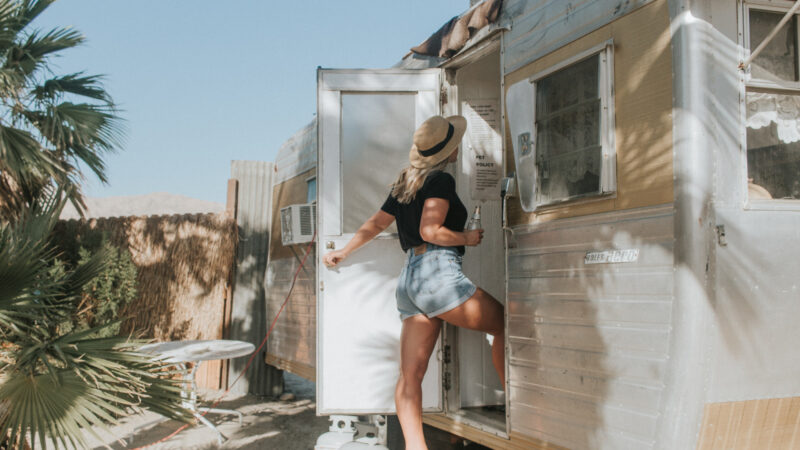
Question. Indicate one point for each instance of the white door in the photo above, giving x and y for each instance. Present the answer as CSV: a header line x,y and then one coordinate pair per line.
x,y
366,120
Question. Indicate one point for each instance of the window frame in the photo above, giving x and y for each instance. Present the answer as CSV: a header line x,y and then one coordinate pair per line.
x,y
608,175
750,84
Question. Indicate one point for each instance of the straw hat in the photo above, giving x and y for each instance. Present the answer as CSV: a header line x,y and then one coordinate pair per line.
x,y
436,139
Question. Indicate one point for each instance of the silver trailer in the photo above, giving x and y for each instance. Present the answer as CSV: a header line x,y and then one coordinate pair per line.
x,y
646,259
292,344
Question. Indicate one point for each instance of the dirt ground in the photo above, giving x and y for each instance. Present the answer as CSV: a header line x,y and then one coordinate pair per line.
x,y
268,423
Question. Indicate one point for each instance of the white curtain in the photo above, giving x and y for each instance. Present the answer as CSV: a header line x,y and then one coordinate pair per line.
x,y
783,110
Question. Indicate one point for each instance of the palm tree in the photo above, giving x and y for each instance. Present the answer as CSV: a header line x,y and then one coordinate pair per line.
x,y
50,125
56,384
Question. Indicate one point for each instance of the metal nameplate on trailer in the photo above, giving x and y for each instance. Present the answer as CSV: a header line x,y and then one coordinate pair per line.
x,y
612,256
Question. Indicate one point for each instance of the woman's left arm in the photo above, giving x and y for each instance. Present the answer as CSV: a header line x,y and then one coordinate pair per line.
x,y
374,225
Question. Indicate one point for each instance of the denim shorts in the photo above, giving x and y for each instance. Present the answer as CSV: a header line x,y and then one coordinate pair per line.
x,y
432,283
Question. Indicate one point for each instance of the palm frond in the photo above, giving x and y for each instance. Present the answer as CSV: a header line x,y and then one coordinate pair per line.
x,y
27,294
60,407
30,10
22,157
93,396
85,86
10,23
81,131
29,55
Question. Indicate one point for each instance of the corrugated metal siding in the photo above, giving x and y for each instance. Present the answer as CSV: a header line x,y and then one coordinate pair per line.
x,y
589,344
539,27
248,319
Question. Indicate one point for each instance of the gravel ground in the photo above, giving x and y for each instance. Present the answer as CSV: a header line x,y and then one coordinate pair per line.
x,y
268,423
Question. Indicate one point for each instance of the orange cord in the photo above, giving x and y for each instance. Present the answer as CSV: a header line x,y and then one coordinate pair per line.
x,y
253,355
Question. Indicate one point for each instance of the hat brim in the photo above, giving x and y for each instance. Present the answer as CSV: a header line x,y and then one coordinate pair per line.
x,y
420,162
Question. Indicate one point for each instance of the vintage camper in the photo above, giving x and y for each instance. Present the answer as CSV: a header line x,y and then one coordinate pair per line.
x,y
645,258
293,341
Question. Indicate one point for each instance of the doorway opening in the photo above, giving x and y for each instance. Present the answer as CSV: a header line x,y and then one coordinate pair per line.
x,y
473,392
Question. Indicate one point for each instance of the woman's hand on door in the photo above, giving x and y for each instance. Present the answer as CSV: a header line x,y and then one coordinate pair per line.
x,y
333,258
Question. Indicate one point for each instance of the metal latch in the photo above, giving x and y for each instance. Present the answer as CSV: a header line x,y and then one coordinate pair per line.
x,y
330,245
721,236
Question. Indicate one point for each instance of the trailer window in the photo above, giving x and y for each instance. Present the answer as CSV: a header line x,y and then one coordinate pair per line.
x,y
573,123
311,190
773,109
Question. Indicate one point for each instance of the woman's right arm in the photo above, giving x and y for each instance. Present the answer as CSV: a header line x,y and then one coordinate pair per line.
x,y
374,225
432,229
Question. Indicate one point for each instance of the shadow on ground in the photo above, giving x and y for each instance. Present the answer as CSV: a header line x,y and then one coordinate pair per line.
x,y
267,423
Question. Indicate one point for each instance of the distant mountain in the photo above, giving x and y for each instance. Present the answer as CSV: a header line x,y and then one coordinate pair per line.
x,y
157,203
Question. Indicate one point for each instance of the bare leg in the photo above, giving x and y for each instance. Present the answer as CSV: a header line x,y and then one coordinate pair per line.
x,y
416,344
483,313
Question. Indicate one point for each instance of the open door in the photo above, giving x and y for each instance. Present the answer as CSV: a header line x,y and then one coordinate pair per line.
x,y
366,119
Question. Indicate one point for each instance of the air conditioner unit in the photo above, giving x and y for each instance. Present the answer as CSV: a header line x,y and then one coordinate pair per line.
x,y
298,223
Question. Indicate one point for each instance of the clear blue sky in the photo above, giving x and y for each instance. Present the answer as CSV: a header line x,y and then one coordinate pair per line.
x,y
204,82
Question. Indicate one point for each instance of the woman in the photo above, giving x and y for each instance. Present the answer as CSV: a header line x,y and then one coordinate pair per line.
x,y
432,288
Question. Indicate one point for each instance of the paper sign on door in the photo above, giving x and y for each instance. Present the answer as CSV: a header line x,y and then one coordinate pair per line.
x,y
483,157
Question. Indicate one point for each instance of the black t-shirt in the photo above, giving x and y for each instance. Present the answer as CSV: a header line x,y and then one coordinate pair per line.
x,y
438,184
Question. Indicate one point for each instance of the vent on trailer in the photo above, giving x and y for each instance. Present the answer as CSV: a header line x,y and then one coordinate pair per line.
x,y
297,223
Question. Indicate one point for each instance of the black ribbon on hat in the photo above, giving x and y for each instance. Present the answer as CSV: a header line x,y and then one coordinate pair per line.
x,y
436,148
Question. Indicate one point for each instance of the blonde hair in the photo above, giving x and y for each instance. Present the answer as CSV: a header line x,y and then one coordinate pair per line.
x,y
411,180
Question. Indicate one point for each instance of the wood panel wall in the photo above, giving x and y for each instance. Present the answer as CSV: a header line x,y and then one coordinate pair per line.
x,y
753,425
292,345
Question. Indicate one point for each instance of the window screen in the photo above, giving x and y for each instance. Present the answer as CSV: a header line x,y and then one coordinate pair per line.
x,y
568,139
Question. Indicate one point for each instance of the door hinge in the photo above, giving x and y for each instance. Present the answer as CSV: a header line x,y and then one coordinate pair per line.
x,y
447,381
443,95
446,354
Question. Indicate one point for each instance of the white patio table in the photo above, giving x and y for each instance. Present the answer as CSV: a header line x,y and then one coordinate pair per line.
x,y
183,352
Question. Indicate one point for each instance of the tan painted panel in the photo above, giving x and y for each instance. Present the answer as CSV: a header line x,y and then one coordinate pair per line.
x,y
755,424
643,107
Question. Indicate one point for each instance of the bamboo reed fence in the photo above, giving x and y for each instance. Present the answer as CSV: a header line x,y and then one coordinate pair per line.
x,y
185,270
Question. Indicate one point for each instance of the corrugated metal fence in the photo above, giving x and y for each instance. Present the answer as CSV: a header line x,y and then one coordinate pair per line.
x,y
248,321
